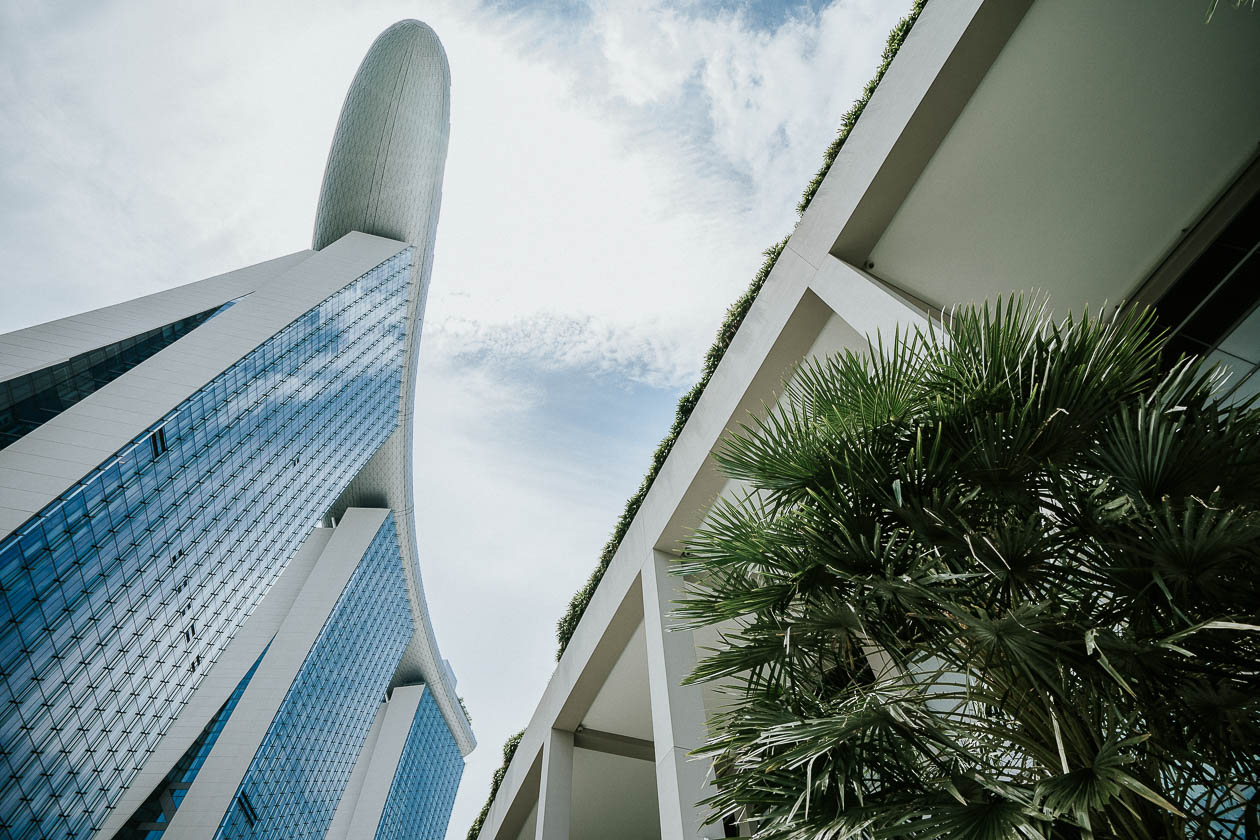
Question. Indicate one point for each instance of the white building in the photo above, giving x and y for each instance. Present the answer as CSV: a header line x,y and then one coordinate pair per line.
x,y
1099,152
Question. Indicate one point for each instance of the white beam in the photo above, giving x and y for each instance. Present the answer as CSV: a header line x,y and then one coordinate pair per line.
x,y
220,681
951,47
141,396
339,828
214,790
382,763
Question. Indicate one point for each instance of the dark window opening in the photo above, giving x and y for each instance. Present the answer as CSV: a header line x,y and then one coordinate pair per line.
x,y
32,399
157,441
247,808
1212,309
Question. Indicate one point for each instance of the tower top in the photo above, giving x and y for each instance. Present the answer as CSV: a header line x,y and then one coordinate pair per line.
x,y
384,171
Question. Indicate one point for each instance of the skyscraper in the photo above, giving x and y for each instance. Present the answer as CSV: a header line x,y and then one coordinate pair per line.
x,y
213,622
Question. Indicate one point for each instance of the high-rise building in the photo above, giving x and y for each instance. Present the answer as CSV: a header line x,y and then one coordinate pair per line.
x,y
213,623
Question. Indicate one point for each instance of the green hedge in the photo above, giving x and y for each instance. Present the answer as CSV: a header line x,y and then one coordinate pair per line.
x,y
734,317
509,750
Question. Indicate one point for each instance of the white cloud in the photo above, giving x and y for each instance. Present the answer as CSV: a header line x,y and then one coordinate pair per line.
x,y
633,190
613,176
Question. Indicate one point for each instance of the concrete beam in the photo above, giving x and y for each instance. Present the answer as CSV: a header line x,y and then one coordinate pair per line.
x,y
613,744
219,682
400,711
616,610
214,790
339,828
946,55
141,396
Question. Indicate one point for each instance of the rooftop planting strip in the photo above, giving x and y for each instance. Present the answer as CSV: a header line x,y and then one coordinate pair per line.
x,y
568,623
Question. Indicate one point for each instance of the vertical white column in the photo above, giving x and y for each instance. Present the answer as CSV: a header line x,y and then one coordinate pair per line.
x,y
340,825
678,719
555,789
213,792
360,810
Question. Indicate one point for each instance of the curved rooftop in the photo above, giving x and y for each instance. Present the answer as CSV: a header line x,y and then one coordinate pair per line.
x,y
384,171
384,177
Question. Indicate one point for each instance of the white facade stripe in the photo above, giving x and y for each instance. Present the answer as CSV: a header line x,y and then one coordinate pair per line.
x,y
380,764
202,810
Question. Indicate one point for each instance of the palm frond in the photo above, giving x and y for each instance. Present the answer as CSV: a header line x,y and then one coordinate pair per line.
x,y
993,579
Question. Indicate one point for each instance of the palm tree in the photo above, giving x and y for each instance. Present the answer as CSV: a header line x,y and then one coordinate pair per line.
x,y
993,581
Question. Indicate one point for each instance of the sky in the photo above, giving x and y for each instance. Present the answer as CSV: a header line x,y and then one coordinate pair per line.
x,y
615,170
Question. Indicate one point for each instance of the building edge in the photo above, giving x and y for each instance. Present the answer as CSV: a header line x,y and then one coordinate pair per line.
x,y
384,177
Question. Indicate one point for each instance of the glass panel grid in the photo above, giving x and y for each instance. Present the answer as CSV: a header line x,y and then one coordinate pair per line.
x,y
423,791
300,770
175,785
119,596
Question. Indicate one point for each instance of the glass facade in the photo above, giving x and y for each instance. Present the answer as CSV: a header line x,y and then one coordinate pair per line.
x,y
119,596
150,820
1239,352
300,770
30,400
423,791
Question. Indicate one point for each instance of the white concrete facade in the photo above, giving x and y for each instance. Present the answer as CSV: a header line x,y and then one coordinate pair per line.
x,y
33,348
927,206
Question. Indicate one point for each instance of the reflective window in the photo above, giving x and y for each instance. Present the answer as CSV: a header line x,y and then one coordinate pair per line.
x,y
119,596
300,770
427,778
1239,352
1212,309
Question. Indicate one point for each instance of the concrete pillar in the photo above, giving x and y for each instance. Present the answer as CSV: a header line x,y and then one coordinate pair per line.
x,y
220,681
214,790
678,719
340,826
555,790
359,813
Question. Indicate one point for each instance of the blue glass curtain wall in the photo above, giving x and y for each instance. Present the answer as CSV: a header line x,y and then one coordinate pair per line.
x,y
300,770
30,400
118,597
423,791
149,821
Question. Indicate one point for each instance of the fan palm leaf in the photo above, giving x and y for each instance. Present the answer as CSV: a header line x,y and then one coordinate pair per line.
x,y
993,579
